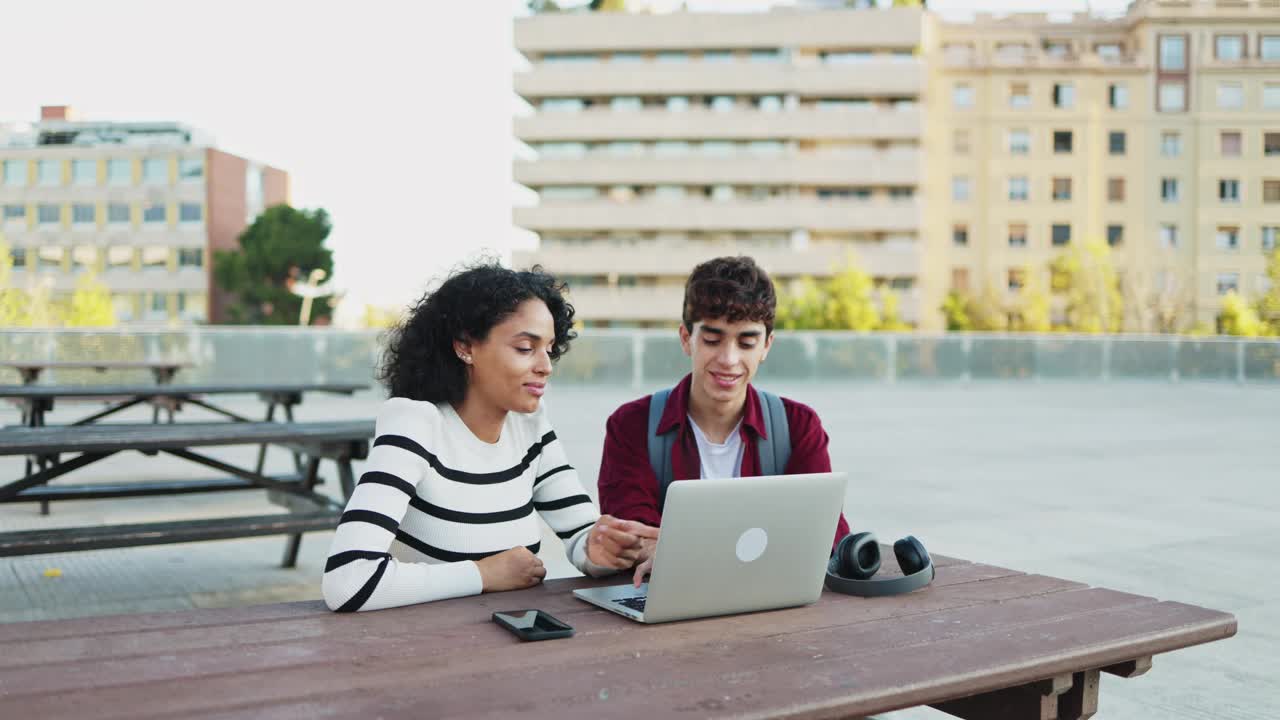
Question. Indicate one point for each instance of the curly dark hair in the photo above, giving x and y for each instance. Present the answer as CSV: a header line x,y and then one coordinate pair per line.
x,y
419,362
730,287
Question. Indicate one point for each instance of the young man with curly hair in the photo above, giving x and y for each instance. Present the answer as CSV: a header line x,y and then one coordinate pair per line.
x,y
714,416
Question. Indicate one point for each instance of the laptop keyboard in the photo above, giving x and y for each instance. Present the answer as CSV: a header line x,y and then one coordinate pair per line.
x,y
635,603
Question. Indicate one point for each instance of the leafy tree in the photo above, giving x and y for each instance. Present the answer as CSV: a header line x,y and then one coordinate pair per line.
x,y
15,305
1032,310
280,248
1238,317
849,304
956,311
801,309
1087,277
90,304
1269,305
889,319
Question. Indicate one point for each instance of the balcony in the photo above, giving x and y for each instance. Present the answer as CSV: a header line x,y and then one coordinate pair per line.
x,y
898,78
856,167
801,123
591,32
782,215
678,258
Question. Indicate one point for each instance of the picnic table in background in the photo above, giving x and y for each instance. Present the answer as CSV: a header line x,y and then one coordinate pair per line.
x,y
36,401
163,370
980,642
342,442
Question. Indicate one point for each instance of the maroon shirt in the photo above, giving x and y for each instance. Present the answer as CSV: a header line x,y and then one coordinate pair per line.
x,y
628,486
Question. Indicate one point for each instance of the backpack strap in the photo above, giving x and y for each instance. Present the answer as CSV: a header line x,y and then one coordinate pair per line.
x,y
776,450
660,445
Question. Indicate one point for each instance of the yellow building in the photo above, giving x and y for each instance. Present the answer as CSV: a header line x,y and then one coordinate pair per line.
x,y
1157,132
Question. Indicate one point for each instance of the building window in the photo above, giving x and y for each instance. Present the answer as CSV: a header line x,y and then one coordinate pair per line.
x,y
1060,233
84,172
677,103
191,257
1115,189
155,257
1229,190
155,171
48,214
1017,279
1020,95
1062,142
1061,188
1019,142
84,214
191,169
1173,97
1270,235
1169,190
1269,47
1170,144
562,105
119,172
722,103
1116,142
1271,191
626,103
569,58
1115,235
190,212
19,256
1168,236
960,235
1271,144
84,257
15,173
119,256
960,279
50,258
1229,144
1064,95
769,103
1019,188
960,142
118,214
1017,235
962,96
1228,237
1228,47
673,56
960,188
627,57
1118,96
1173,52
1228,282
49,173
1230,95
770,55
15,213
717,56
153,214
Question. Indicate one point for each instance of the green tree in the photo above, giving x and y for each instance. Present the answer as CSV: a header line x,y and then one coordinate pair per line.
x,y
280,248
90,304
801,309
988,312
1085,275
1269,305
956,310
849,304
15,305
889,320
1031,311
1238,317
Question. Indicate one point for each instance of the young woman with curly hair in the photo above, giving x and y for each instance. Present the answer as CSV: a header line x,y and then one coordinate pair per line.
x,y
464,455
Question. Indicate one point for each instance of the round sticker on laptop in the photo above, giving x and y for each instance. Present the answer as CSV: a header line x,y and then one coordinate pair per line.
x,y
751,544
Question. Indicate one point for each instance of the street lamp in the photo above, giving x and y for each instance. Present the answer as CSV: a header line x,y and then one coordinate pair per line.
x,y
309,292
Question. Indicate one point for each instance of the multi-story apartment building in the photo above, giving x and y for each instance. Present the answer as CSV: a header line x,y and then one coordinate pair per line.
x,y
1157,132
664,140
144,205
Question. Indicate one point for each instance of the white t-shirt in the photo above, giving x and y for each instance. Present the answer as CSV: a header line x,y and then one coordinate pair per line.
x,y
719,460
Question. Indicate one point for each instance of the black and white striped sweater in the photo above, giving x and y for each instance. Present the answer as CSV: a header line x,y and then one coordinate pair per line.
x,y
434,498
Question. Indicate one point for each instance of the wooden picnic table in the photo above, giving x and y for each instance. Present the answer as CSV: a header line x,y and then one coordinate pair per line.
x,y
339,441
163,370
981,642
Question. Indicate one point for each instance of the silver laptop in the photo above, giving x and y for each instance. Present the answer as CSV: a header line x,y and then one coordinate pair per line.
x,y
735,545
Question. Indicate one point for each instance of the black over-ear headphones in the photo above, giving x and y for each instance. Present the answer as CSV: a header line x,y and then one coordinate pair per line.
x,y
857,558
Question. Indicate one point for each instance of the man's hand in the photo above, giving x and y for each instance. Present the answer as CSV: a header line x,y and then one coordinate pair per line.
x,y
513,569
645,566
618,544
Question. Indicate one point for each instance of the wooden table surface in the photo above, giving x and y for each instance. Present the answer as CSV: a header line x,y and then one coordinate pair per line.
x,y
977,629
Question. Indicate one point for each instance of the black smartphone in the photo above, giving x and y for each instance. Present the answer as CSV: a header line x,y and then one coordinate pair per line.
x,y
533,625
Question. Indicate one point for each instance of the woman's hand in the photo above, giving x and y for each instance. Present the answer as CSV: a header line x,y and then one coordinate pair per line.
x,y
513,569
618,544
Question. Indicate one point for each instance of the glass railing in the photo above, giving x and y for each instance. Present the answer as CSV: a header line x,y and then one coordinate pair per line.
x,y
641,358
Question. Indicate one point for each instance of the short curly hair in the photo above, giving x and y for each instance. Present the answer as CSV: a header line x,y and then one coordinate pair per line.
x,y
734,288
419,361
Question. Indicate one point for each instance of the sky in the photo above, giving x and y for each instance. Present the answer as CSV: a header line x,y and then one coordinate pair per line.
x,y
394,116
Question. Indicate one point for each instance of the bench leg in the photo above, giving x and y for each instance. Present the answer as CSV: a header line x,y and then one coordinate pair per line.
x,y
1033,701
295,541
262,451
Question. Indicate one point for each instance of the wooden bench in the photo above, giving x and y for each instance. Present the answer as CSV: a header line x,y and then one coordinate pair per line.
x,y
340,442
162,370
981,642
